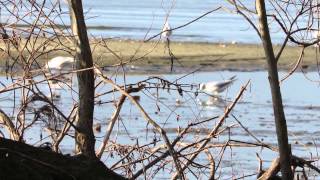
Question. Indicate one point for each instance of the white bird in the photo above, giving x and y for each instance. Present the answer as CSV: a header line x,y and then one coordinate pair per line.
x,y
60,63
216,87
166,30
56,66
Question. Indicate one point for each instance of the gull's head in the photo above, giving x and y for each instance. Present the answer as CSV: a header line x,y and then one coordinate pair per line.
x,y
166,26
166,30
46,66
202,86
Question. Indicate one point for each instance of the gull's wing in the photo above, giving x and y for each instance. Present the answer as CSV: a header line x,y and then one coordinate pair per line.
x,y
221,86
215,87
60,62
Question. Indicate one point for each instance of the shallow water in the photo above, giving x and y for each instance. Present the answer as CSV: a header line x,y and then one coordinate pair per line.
x,y
141,19
254,111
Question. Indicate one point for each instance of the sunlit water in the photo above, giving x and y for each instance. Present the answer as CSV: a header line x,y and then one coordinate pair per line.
x,y
142,19
254,111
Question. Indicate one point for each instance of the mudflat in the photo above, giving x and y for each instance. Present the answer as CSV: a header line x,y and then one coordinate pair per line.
x,y
139,56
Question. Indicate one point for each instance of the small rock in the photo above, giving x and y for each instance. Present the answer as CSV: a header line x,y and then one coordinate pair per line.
x,y
97,128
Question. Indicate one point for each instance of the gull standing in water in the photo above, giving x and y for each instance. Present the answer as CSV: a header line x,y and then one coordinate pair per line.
x,y
165,34
166,31
213,88
216,87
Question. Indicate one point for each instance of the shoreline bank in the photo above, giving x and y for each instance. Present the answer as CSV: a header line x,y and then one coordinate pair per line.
x,y
153,56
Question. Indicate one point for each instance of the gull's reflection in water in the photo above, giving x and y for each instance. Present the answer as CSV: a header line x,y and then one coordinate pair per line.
x,y
213,101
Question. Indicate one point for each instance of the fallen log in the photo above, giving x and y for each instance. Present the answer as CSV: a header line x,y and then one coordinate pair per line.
x,y
21,161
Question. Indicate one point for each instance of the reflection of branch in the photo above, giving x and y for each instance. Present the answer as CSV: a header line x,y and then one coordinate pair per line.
x,y
184,25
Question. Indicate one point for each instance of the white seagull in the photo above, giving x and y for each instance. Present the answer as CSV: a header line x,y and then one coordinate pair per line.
x,y
166,30
60,63
216,87
56,66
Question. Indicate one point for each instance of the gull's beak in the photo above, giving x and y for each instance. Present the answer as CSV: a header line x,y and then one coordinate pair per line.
x,y
202,86
233,77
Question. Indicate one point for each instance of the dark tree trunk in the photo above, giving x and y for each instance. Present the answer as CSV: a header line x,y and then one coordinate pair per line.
x,y
85,140
280,121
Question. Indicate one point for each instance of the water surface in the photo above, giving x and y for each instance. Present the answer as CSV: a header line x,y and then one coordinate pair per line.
x,y
254,111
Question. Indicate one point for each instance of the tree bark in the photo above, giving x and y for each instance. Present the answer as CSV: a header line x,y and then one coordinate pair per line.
x,y
21,161
280,121
85,140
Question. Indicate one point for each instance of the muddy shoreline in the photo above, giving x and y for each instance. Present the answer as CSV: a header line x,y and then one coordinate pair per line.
x,y
153,57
